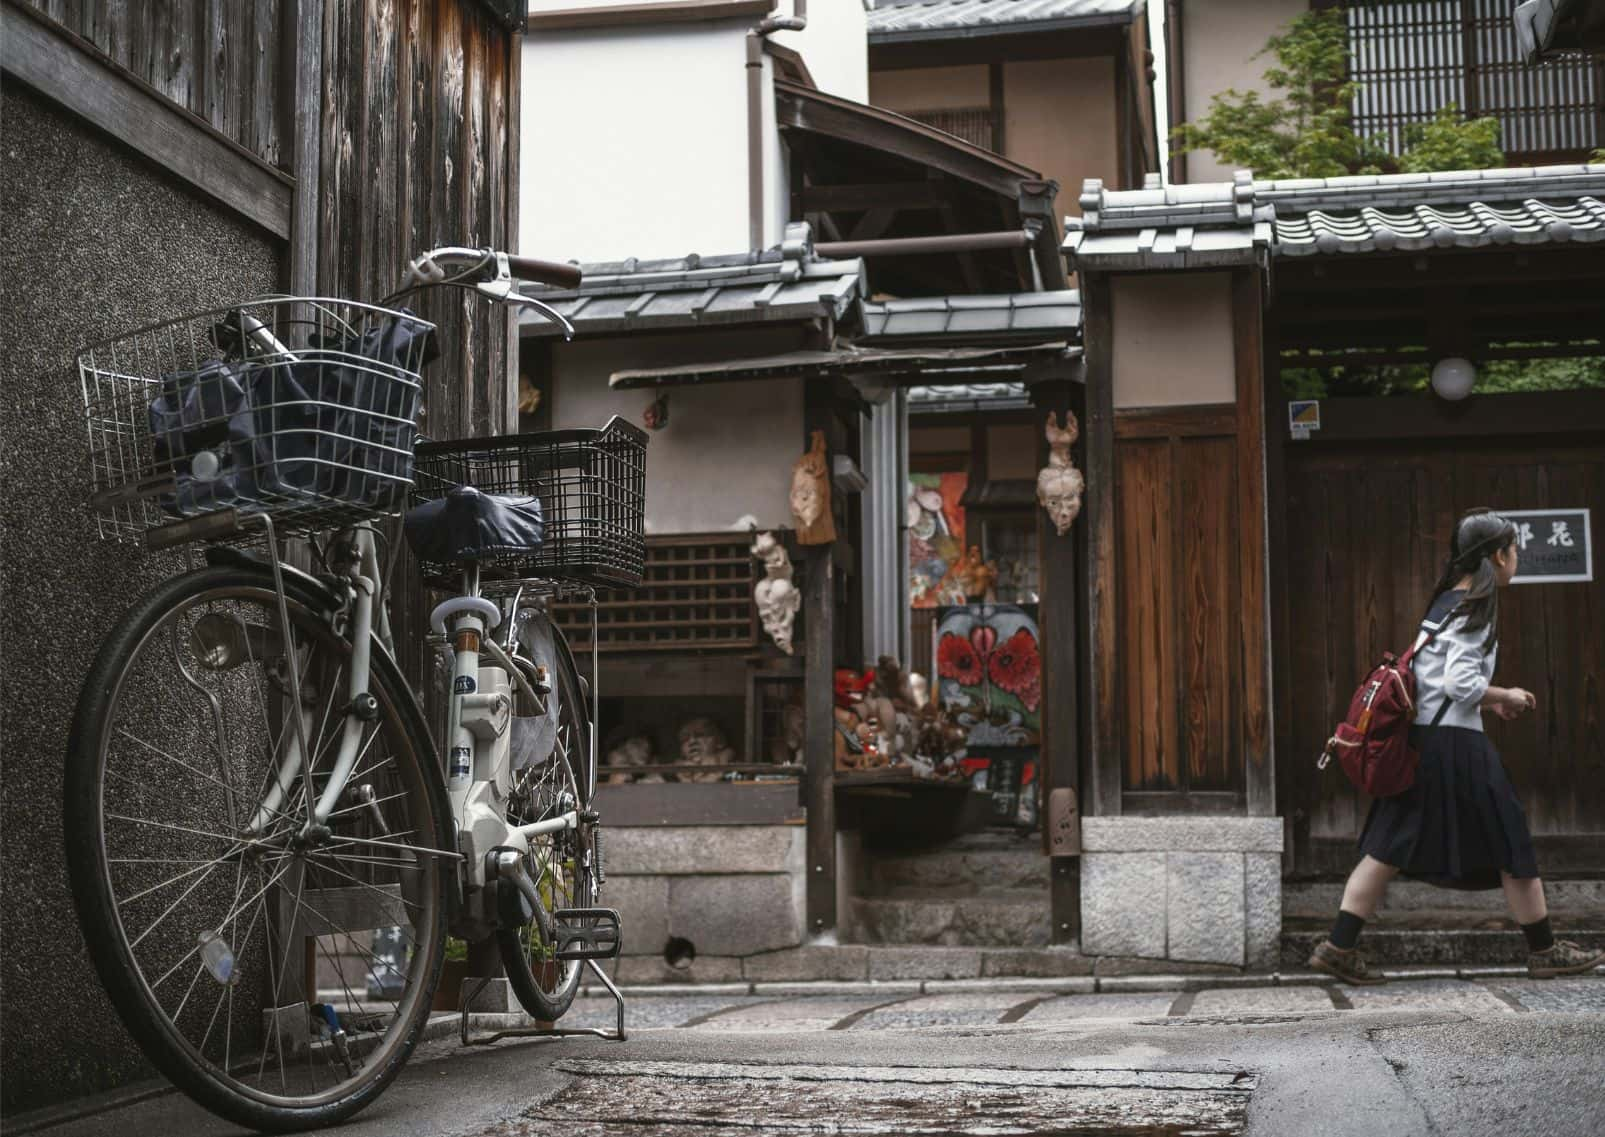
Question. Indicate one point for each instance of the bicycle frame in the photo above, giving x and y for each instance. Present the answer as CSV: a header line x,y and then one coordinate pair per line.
x,y
479,720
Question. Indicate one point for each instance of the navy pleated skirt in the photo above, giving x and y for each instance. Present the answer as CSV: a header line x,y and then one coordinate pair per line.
x,y
1461,824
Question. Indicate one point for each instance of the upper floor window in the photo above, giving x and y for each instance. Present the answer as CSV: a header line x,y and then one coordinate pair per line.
x,y
1412,58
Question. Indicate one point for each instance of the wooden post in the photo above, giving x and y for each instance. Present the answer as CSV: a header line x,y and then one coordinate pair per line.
x,y
1059,758
819,781
1259,767
1098,520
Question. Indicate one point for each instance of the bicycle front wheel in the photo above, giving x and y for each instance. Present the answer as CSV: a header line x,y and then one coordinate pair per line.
x,y
279,974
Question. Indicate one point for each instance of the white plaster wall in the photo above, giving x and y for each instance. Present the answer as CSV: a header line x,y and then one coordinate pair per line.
x,y
634,139
1220,39
728,448
835,44
634,142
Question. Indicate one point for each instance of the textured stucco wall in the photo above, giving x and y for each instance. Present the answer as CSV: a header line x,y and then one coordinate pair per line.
x,y
95,242
1222,41
1173,339
728,448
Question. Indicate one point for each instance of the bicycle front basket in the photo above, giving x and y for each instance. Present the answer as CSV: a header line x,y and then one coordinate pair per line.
x,y
301,408
592,489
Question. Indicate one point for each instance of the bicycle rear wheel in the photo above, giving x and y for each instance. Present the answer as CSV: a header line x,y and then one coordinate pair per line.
x,y
562,863
241,953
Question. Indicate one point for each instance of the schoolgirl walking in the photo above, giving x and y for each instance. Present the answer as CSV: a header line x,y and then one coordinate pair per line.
x,y
1460,824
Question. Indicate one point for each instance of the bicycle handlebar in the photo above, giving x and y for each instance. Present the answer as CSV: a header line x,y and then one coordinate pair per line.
x,y
433,267
544,272
493,274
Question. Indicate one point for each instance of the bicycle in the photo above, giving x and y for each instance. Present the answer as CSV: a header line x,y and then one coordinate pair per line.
x,y
253,797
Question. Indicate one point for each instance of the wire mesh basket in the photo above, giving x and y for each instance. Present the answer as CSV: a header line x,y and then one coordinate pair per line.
x,y
301,408
592,489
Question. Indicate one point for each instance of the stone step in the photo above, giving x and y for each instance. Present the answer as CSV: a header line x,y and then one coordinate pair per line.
x,y
882,963
1440,937
962,872
1319,899
1017,918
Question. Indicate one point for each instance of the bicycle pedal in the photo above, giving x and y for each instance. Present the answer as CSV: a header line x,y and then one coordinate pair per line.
x,y
586,933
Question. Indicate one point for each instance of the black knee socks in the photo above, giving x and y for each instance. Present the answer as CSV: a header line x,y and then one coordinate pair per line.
x,y
1346,931
1539,935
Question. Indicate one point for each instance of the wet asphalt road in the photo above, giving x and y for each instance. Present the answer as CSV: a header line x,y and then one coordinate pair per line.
x,y
1419,1056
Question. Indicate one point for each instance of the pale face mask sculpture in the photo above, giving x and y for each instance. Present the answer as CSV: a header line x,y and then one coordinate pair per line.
x,y
775,595
1059,484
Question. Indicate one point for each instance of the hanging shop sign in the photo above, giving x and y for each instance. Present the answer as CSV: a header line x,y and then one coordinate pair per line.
x,y
1555,545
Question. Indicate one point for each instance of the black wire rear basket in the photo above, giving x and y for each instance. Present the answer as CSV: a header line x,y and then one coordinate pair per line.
x,y
592,488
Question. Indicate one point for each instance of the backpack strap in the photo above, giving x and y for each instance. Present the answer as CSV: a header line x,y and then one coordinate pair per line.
x,y
1431,631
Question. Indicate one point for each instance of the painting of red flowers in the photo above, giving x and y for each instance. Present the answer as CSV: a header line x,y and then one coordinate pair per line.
x,y
1016,667
989,671
957,660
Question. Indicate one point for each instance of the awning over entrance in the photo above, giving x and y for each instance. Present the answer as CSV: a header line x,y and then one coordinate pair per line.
x,y
917,365
867,174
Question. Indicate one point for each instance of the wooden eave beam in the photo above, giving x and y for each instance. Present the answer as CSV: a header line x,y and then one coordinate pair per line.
x,y
631,15
71,71
1079,43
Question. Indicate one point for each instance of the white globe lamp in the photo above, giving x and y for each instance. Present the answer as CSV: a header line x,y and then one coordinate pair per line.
x,y
1453,378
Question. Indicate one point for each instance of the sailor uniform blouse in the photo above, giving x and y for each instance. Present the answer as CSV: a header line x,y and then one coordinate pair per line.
x,y
1454,665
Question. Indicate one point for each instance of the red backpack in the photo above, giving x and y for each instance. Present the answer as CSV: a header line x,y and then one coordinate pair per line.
x,y
1373,742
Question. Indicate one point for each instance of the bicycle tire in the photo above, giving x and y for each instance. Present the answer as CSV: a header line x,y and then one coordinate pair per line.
x,y
410,883
549,999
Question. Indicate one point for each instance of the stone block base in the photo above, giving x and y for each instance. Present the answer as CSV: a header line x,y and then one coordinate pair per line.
x,y
716,892
1205,889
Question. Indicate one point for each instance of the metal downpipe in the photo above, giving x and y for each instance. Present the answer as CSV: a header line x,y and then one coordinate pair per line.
x,y
755,37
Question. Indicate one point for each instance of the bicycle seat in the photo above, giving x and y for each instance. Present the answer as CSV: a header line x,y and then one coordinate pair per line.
x,y
468,525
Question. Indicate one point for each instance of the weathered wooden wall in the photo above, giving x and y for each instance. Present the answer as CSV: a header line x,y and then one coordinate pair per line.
x,y
224,61
1179,607
419,149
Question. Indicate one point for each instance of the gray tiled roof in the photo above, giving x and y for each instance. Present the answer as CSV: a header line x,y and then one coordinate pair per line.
x,y
893,21
1025,313
1223,223
784,283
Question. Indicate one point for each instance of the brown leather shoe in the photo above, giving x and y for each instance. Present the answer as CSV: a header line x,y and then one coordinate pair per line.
x,y
1347,964
1563,958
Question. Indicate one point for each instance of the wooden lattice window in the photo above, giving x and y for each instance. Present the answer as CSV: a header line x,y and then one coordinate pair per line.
x,y
696,594
1410,59
976,125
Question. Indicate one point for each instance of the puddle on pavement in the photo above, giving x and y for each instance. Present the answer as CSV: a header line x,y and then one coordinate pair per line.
x,y
631,1099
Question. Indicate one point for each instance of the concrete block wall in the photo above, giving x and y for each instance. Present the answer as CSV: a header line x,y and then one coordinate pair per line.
x,y
1200,889
730,891
97,242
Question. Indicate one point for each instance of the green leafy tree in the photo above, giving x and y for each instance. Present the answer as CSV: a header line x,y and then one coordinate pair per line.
x,y
1307,131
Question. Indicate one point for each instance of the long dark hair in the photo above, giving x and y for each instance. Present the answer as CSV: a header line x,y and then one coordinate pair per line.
x,y
1476,537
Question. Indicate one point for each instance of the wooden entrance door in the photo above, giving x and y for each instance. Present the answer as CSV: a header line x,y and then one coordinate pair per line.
x,y
1365,535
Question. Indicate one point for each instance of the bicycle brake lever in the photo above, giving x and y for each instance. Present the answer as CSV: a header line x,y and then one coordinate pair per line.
x,y
546,310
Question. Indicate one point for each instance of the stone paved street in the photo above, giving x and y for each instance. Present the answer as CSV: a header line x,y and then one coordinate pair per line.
x,y
893,1009
1428,1053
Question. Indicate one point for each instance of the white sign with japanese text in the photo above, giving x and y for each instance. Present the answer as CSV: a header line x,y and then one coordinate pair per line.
x,y
1555,545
